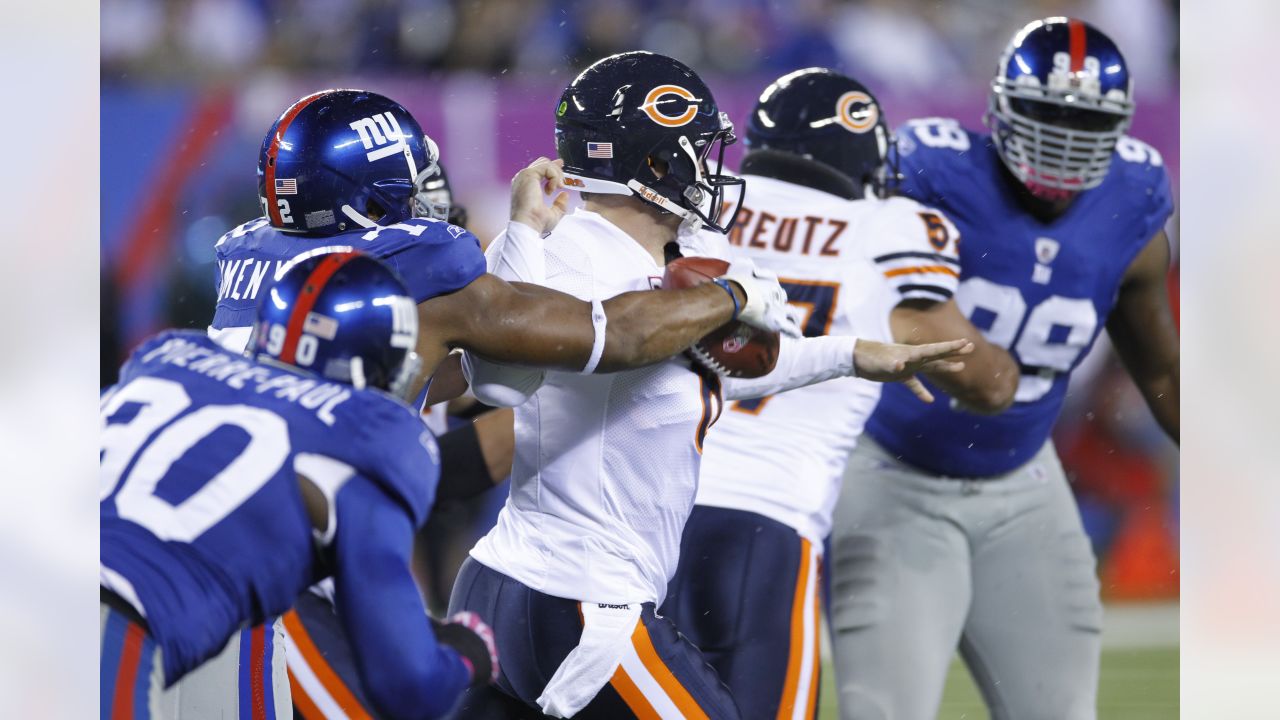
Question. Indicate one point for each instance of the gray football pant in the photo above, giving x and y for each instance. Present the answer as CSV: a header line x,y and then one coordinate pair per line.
x,y
213,689
1000,568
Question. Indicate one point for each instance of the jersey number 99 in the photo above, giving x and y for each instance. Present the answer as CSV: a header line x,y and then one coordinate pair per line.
x,y
1051,339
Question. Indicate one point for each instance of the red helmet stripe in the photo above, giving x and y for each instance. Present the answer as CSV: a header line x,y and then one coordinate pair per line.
x,y
273,206
306,300
1076,30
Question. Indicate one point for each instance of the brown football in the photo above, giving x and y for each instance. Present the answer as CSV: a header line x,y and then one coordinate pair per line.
x,y
736,349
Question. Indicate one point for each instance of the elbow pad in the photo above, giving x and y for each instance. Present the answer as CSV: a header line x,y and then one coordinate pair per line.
x,y
500,385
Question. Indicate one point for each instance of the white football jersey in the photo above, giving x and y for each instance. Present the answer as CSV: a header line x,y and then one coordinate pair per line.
x,y
847,264
606,465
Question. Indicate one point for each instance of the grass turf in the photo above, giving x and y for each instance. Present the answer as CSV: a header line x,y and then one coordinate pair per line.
x,y
1135,684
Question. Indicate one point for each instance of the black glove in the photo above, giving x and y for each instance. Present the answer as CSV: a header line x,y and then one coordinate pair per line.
x,y
473,639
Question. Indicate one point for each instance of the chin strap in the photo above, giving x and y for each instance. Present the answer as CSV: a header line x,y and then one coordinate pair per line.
x,y
357,218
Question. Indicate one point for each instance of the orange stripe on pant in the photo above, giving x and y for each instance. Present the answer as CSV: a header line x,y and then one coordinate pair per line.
x,y
337,689
791,688
302,702
660,672
812,710
632,696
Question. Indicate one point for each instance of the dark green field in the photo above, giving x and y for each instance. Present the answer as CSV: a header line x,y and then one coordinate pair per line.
x,y
1136,684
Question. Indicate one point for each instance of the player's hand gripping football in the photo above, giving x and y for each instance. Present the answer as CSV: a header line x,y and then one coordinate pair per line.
x,y
543,178
891,362
766,306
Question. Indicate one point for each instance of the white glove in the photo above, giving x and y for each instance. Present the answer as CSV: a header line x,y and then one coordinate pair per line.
x,y
766,306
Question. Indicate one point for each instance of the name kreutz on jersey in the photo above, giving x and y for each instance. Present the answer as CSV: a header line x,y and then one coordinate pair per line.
x,y
200,507
1043,290
431,256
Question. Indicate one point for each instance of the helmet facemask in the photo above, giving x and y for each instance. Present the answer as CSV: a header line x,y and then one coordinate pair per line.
x,y
1056,141
431,191
687,175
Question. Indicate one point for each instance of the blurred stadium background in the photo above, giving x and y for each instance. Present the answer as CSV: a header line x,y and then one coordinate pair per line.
x,y
189,87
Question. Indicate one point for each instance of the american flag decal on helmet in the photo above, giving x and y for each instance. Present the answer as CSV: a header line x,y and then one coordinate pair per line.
x,y
600,150
286,186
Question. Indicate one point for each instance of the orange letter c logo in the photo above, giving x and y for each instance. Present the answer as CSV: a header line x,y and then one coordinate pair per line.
x,y
655,98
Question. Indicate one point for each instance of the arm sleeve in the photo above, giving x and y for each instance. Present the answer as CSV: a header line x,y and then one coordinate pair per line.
x,y
914,249
801,362
518,255
405,672
1160,206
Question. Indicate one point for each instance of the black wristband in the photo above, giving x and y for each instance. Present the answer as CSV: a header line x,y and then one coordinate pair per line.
x,y
469,645
464,473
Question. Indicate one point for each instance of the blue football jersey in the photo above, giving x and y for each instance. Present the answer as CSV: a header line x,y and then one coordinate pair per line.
x,y
202,521
1043,290
432,257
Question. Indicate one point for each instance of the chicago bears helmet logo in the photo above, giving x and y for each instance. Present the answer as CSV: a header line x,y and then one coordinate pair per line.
x,y
662,98
857,111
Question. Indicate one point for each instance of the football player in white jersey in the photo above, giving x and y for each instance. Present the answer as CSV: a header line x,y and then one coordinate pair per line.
x,y
606,466
747,591
344,168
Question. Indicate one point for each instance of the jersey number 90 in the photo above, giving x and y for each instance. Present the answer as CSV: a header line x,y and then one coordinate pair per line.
x,y
155,438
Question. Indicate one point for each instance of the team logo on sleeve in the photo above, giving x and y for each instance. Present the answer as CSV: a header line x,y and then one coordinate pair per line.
x,y
857,112
670,105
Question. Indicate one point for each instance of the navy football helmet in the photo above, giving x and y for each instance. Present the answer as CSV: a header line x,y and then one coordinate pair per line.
x,y
340,159
645,124
342,315
1061,99
829,118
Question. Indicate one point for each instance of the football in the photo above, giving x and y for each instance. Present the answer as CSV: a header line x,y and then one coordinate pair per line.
x,y
736,349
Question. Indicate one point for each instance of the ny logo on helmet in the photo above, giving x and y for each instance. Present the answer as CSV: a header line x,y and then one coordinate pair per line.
x,y
380,135
667,95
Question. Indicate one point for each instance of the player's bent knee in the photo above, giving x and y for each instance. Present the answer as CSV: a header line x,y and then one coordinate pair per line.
x,y
856,703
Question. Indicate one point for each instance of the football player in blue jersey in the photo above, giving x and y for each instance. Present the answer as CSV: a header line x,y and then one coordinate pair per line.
x,y
350,167
956,528
230,484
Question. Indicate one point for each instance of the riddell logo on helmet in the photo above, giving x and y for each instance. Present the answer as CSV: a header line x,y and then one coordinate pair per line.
x,y
857,112
666,95
648,194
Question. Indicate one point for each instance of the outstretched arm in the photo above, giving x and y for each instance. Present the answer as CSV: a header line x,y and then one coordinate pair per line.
x,y
533,325
812,360
1144,334
405,672
989,379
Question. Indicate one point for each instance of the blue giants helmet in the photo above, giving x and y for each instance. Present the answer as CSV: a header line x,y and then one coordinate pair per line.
x,y
643,124
342,315
341,159
826,117
1061,98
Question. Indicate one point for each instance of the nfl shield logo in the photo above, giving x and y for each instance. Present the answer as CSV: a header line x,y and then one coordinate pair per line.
x,y
1046,250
